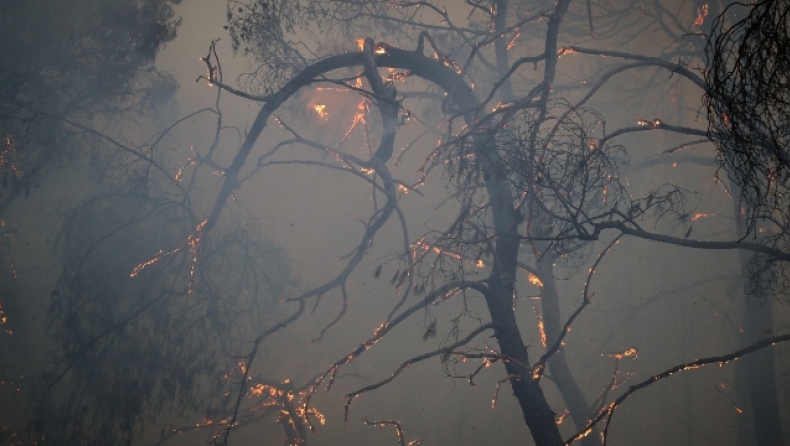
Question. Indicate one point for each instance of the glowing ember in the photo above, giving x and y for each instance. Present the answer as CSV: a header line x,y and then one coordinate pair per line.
x,y
702,12
627,353
398,76
380,48
321,110
359,118
566,50
502,106
534,280
699,215
512,42
541,327
180,174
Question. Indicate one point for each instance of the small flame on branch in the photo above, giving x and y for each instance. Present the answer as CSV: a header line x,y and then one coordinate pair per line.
x,y
180,174
702,12
501,106
534,280
630,352
359,118
380,48
541,327
700,215
566,50
321,110
398,76
192,242
513,40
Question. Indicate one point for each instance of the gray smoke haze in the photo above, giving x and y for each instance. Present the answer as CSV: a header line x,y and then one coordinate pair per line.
x,y
148,260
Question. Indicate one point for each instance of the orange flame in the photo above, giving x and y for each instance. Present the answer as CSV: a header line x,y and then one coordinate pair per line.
x,y
699,215
702,12
513,40
541,327
321,110
566,50
535,280
627,353
380,48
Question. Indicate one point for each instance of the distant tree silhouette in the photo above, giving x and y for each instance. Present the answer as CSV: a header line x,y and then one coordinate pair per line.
x,y
66,63
748,101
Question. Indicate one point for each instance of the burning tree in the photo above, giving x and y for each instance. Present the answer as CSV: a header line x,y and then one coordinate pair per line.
x,y
537,185
533,184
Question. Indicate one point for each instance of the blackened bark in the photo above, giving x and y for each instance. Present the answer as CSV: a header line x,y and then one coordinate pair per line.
x,y
540,418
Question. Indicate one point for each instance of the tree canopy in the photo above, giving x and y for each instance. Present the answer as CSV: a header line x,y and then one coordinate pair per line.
x,y
73,62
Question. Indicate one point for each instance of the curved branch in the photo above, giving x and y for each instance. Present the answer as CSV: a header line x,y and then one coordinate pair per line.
x,y
586,298
385,328
721,360
646,60
738,244
444,350
656,125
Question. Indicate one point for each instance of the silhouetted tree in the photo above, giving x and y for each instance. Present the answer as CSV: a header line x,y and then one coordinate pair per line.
x,y
748,100
85,63
535,179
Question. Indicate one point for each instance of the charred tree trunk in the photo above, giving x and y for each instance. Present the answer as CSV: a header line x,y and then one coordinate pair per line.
x,y
537,414
763,408
578,408
564,379
761,425
756,378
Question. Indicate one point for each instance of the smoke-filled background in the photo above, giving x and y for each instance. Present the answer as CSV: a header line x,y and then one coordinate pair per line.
x,y
242,222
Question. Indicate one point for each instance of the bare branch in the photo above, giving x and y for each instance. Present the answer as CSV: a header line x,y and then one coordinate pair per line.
x,y
721,360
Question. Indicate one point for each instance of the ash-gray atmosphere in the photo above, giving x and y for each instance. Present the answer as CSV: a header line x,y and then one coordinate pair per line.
x,y
346,222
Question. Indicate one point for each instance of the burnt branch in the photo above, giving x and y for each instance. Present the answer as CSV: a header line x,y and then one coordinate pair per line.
x,y
721,360
442,351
